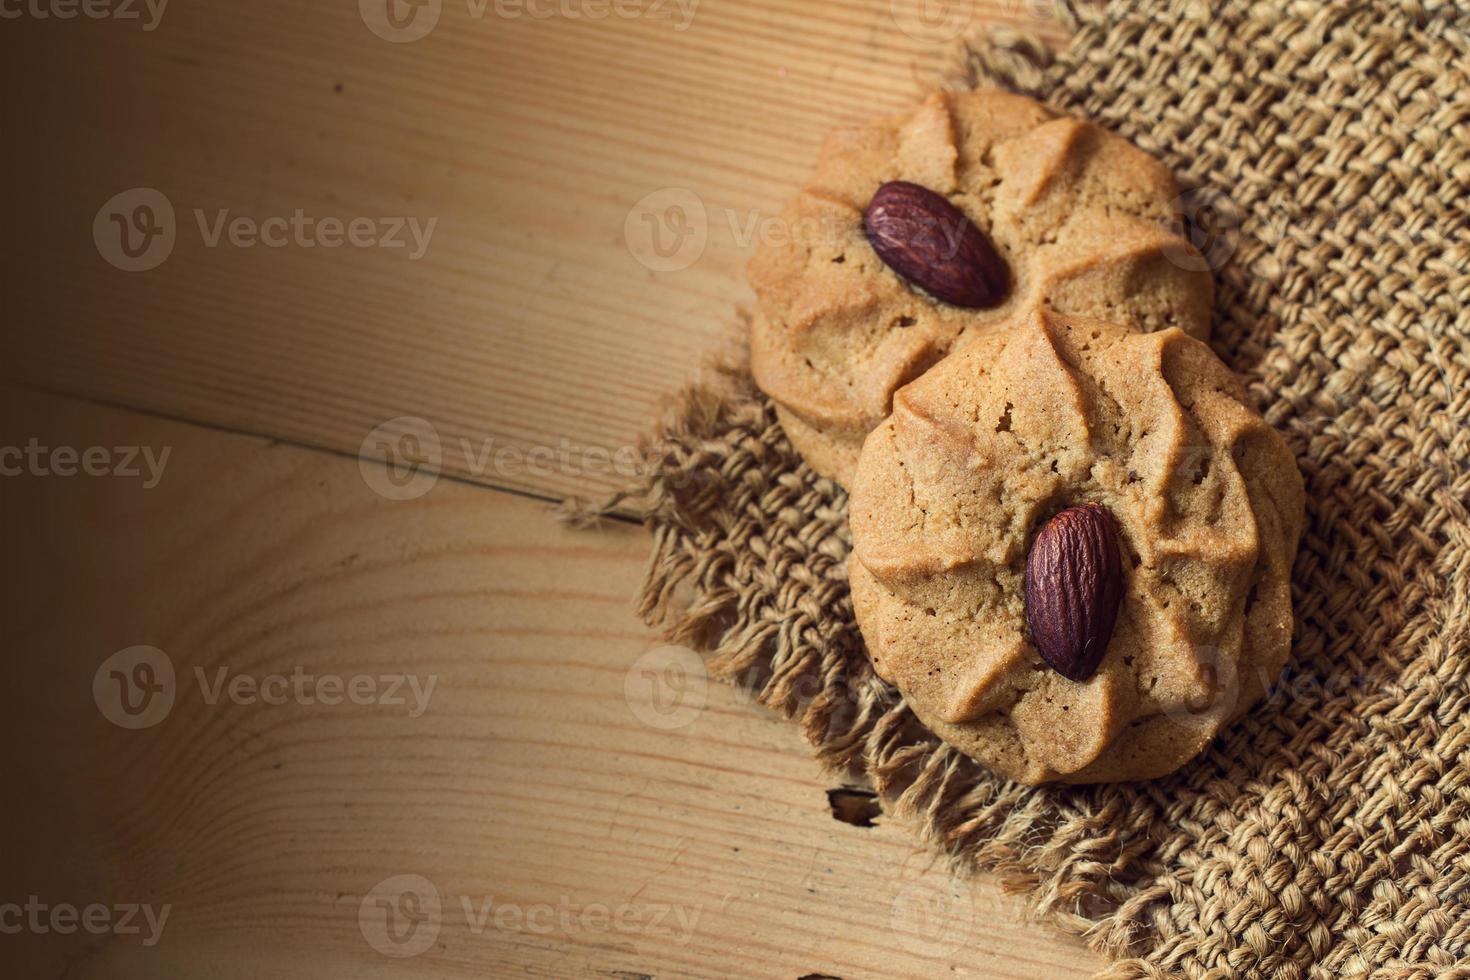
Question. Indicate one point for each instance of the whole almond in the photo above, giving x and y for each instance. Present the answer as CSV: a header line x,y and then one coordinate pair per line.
x,y
1074,581
931,244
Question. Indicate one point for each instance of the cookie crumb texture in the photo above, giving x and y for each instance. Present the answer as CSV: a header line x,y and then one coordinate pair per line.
x,y
1084,221
986,447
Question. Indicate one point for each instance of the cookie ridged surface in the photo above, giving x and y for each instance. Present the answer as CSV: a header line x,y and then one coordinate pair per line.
x,y
1084,221
981,451
1324,834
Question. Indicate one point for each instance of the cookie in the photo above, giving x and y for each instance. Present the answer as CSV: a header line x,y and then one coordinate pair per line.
x,y
1083,221
1056,412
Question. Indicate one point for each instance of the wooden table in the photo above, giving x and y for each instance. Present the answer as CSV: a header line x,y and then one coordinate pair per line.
x,y
413,727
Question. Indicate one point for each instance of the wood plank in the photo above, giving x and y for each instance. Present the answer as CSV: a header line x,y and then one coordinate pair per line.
x,y
548,772
529,321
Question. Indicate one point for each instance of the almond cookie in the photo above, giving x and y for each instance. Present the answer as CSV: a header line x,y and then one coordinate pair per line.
x,y
1146,446
1080,221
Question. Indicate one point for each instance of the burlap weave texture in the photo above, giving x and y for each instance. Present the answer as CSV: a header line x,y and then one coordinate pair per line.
x,y
1327,149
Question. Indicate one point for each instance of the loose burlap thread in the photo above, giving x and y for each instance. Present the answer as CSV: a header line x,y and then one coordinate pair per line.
x,y
1328,833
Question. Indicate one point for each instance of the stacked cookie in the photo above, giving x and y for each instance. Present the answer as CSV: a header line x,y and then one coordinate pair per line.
x,y
1072,534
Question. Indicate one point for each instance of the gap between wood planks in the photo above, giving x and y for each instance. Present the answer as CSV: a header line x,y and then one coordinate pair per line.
x,y
286,561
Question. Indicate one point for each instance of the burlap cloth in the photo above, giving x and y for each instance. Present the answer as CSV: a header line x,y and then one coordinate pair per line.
x,y
1327,834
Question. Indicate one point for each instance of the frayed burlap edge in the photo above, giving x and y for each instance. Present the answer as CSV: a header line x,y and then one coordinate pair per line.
x,y
1313,839
717,587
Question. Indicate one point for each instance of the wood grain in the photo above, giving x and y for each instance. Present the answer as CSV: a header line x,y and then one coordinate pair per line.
x,y
550,769
529,321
